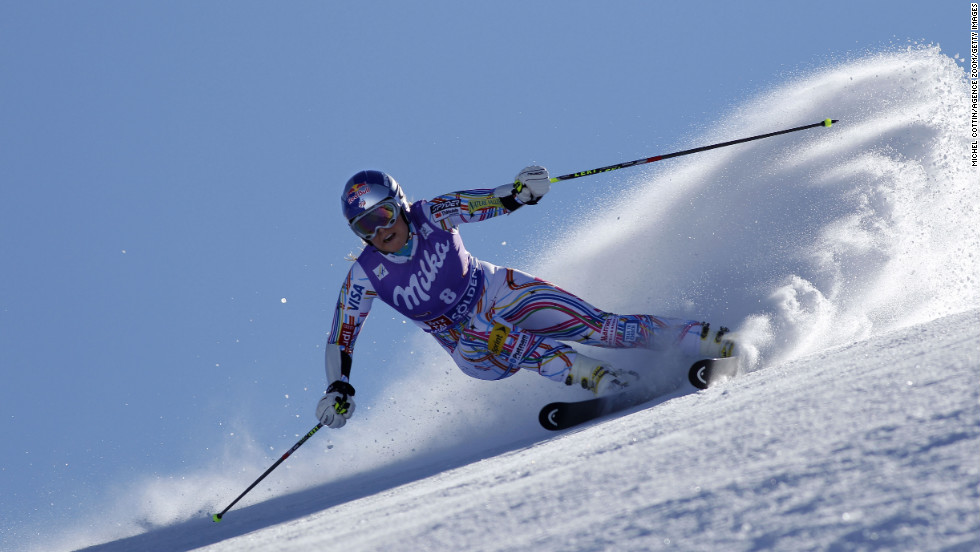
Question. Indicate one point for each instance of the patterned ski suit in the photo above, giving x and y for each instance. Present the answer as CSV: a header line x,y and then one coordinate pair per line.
x,y
493,321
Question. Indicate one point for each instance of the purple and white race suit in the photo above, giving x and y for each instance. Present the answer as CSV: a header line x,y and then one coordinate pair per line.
x,y
493,321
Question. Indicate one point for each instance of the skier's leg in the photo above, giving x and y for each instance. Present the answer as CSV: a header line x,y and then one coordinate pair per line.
x,y
491,353
489,349
520,319
542,308
498,352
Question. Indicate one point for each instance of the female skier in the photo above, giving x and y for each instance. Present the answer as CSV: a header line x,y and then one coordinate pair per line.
x,y
493,321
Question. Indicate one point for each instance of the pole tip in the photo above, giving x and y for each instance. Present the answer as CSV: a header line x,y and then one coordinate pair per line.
x,y
216,518
828,122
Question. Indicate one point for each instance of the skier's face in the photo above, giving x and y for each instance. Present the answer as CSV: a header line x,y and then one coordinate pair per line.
x,y
389,240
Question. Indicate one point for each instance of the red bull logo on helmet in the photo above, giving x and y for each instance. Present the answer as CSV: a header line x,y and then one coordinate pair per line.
x,y
356,191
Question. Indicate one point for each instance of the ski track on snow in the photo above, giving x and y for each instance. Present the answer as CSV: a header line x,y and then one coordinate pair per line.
x,y
846,257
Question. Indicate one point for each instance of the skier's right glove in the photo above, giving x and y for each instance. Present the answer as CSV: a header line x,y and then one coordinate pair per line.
x,y
337,406
531,184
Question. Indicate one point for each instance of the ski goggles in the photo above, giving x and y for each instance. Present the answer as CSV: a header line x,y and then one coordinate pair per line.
x,y
383,215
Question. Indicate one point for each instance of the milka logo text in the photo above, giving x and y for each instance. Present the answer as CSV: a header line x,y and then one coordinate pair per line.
x,y
419,285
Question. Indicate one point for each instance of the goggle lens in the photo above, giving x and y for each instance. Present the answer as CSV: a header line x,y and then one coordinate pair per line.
x,y
383,215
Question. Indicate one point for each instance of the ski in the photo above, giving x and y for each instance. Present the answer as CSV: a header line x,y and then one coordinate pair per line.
x,y
563,415
710,371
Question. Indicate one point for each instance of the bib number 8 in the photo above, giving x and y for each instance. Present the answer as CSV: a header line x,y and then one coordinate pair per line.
x,y
447,296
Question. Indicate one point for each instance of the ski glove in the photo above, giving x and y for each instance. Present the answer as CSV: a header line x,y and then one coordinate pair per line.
x,y
531,184
337,406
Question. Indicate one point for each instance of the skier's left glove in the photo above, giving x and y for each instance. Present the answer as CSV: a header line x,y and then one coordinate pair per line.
x,y
531,184
337,406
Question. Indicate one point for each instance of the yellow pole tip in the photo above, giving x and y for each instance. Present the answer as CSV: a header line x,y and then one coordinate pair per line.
x,y
828,122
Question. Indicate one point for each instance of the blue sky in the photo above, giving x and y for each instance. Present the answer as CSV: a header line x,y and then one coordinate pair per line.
x,y
171,174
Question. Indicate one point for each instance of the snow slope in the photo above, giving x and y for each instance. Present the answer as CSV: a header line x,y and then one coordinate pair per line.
x,y
870,445
846,257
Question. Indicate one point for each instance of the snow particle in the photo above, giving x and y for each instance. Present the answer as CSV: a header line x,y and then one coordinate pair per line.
x,y
283,300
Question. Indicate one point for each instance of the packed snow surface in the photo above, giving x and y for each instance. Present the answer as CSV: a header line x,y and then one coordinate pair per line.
x,y
875,448
847,258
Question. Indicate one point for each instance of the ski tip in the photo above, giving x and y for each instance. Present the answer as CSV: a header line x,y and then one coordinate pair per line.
x,y
707,372
216,518
550,417
698,374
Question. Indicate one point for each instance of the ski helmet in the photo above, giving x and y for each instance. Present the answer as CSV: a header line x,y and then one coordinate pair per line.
x,y
364,192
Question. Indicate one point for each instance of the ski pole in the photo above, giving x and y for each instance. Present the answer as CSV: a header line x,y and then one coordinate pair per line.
x,y
217,517
824,123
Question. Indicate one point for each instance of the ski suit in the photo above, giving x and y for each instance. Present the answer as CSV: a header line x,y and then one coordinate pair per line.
x,y
493,321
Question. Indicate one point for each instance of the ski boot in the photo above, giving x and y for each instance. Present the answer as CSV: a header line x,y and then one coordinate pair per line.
x,y
599,377
717,344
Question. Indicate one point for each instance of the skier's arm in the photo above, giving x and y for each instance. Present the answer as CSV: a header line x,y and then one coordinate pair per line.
x,y
452,209
353,306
